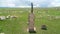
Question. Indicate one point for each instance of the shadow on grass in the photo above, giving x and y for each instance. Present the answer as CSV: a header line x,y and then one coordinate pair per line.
x,y
32,32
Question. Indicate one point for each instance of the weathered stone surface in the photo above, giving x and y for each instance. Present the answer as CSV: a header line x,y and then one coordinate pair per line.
x,y
31,21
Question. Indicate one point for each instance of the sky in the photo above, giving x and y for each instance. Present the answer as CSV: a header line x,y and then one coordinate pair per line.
x,y
27,3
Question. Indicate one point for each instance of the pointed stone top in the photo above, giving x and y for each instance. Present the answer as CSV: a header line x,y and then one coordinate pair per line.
x,y
31,7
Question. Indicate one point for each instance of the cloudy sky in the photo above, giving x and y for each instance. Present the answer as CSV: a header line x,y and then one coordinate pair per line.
x,y
26,3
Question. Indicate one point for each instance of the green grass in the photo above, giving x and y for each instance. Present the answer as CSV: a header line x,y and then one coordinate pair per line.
x,y
19,25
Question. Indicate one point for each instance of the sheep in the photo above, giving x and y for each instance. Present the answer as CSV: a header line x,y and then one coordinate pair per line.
x,y
13,16
2,17
8,16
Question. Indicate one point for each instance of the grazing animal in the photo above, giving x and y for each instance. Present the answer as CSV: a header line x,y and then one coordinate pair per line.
x,y
2,17
8,16
13,16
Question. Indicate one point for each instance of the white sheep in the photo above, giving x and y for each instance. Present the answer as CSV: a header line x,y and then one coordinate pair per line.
x,y
8,16
2,17
13,16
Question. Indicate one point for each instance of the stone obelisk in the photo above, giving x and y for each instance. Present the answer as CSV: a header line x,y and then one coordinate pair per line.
x,y
31,19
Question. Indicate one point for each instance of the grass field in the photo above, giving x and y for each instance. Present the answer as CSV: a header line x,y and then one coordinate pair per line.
x,y
19,25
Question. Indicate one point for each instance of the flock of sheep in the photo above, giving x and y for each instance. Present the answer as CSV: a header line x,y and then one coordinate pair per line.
x,y
7,17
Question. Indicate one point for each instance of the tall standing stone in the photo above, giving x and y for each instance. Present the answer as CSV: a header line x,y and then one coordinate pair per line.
x,y
31,21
